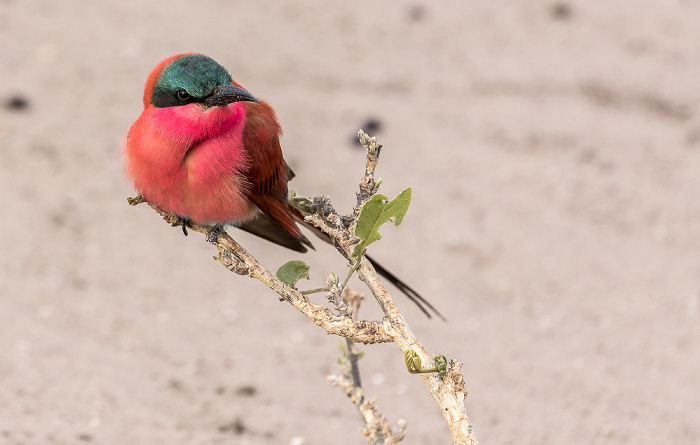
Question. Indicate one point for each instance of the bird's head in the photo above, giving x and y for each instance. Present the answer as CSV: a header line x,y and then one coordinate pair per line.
x,y
189,97
192,78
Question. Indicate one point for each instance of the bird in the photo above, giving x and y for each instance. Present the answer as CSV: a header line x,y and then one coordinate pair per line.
x,y
207,150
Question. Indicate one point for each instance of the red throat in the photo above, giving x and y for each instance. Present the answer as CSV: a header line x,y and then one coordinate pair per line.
x,y
190,160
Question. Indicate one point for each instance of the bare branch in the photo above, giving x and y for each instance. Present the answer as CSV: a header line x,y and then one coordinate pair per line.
x,y
377,430
368,186
448,390
235,258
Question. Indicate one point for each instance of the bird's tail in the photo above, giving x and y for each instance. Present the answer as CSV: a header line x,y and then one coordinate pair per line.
x,y
423,304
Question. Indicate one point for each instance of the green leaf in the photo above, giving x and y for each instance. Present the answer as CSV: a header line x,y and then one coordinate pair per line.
x,y
377,211
293,271
414,364
440,364
413,361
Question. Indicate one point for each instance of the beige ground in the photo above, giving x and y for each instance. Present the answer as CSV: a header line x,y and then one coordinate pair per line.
x,y
554,153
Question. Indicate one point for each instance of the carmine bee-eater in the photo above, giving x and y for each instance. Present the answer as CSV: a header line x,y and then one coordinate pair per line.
x,y
208,151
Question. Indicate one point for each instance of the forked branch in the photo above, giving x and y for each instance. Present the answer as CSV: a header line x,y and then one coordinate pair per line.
x,y
447,388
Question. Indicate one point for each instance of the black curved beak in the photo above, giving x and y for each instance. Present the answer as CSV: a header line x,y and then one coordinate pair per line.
x,y
226,94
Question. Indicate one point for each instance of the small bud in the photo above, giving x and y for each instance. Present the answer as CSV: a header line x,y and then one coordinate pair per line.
x,y
332,280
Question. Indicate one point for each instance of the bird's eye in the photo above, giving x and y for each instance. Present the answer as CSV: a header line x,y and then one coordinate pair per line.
x,y
183,95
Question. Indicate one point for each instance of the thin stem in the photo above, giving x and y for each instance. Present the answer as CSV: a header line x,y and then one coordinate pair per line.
x,y
314,291
352,270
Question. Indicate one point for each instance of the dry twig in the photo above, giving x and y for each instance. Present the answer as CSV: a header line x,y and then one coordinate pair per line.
x,y
447,390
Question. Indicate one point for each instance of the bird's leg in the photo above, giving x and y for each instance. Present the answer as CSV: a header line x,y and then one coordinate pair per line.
x,y
214,232
182,221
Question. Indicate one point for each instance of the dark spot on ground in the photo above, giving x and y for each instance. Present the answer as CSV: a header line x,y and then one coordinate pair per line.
x,y
58,219
416,13
175,385
236,427
17,102
246,391
561,11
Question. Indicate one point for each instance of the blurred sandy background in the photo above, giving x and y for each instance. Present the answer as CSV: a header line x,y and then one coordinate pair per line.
x,y
554,152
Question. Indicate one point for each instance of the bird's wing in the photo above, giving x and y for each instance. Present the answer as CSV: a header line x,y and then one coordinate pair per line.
x,y
268,176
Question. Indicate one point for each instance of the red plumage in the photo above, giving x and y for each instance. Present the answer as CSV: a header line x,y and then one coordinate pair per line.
x,y
212,164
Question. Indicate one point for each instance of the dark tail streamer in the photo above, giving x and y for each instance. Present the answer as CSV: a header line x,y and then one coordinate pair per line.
x,y
412,295
423,304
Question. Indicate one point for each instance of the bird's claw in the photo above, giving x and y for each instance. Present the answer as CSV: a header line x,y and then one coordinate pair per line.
x,y
214,232
184,222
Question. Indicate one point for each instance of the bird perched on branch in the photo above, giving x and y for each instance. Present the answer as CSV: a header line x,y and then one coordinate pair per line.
x,y
208,151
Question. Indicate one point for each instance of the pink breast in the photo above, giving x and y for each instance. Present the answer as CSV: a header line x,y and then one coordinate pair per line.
x,y
191,161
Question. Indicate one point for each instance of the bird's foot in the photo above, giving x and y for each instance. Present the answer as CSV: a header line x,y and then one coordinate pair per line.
x,y
182,221
214,232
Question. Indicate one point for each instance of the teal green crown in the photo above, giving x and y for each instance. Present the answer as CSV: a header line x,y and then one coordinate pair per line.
x,y
196,74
